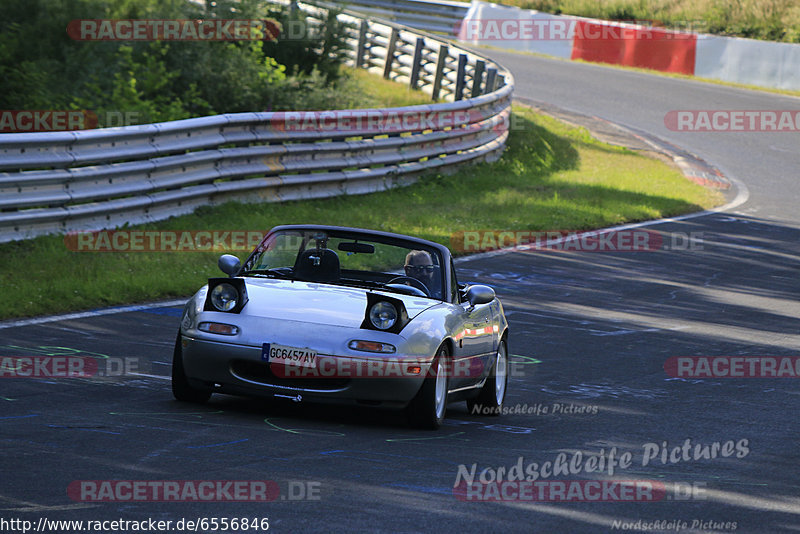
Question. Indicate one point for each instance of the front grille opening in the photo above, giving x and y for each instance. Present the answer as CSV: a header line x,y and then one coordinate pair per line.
x,y
261,372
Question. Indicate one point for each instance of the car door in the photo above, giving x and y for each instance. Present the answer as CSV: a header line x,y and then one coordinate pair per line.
x,y
475,341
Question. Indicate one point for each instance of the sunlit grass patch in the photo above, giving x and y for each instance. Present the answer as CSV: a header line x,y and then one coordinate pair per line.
x,y
551,177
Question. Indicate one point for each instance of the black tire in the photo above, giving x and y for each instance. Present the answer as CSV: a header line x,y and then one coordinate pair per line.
x,y
181,389
429,407
493,393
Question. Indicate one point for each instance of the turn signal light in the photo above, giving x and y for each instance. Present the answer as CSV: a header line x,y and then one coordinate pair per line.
x,y
219,328
371,346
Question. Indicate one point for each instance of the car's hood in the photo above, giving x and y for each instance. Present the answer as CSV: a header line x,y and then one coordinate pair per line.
x,y
317,303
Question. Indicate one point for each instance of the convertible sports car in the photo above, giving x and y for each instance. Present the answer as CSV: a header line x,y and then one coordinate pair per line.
x,y
332,314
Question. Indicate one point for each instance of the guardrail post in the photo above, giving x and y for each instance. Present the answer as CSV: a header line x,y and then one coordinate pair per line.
x,y
362,43
390,49
491,80
477,78
461,73
444,51
416,64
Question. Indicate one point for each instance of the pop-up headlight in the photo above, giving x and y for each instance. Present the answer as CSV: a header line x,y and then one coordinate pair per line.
x,y
226,295
384,313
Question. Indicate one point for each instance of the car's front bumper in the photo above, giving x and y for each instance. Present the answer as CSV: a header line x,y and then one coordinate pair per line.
x,y
239,370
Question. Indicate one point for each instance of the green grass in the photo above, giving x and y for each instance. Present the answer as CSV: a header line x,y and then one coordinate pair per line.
x,y
551,177
773,20
375,92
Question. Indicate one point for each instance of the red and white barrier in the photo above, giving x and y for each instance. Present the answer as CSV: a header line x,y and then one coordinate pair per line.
x,y
749,61
634,46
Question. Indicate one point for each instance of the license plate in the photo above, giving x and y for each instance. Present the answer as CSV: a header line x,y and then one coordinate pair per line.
x,y
274,353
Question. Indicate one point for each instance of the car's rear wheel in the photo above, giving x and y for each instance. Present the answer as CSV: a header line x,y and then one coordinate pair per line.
x,y
428,408
493,393
181,389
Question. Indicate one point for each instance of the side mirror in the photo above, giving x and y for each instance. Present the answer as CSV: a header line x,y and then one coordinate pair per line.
x,y
229,264
479,295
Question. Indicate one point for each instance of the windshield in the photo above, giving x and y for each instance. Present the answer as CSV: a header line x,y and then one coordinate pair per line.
x,y
349,259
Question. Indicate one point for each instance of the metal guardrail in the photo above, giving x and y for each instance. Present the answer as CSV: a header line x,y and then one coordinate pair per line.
x,y
93,179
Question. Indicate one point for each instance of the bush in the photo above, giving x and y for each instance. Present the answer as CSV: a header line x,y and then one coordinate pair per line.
x,y
41,67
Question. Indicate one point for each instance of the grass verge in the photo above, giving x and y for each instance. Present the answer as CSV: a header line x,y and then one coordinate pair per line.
x,y
551,177
773,20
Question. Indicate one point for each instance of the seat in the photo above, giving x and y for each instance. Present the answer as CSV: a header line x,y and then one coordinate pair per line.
x,y
317,265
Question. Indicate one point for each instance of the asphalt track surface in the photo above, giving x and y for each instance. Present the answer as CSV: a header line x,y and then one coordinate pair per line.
x,y
589,332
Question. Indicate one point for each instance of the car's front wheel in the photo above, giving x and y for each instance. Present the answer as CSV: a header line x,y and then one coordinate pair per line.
x,y
181,389
428,408
493,393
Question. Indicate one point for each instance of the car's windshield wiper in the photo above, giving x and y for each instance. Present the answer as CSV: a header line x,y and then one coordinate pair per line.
x,y
278,273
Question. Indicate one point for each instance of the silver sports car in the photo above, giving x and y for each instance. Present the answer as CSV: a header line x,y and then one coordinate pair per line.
x,y
332,314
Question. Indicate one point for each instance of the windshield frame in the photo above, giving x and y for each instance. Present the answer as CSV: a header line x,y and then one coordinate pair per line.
x,y
357,234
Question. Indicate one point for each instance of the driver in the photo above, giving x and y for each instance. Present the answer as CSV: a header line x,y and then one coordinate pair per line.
x,y
419,265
